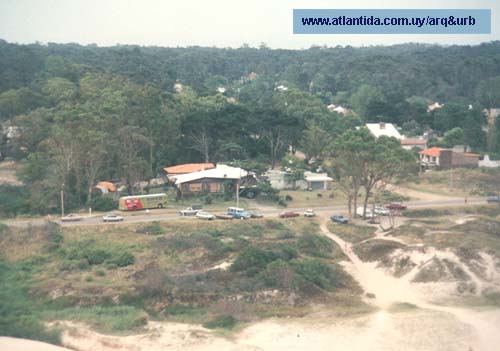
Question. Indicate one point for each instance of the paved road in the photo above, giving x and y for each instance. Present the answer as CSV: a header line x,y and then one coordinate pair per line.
x,y
156,215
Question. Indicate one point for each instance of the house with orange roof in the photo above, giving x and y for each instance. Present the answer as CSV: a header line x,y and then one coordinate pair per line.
x,y
188,168
437,157
175,171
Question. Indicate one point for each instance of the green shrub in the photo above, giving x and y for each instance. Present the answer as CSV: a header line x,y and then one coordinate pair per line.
x,y
124,259
89,278
111,266
318,273
223,321
151,229
288,197
286,252
97,256
279,274
19,312
209,199
103,203
54,237
83,264
274,224
282,202
14,200
112,318
286,234
100,273
421,213
252,260
315,245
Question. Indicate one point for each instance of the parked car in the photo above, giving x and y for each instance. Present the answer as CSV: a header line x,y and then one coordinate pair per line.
x,y
369,214
205,215
288,214
112,217
381,211
309,213
223,216
256,215
396,206
492,199
238,213
339,219
72,217
189,211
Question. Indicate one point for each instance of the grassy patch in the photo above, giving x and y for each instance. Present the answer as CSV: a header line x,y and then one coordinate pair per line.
x,y
375,250
221,322
105,318
20,314
351,232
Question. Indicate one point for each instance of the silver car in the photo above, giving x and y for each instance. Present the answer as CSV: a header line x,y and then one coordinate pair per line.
x,y
112,217
205,215
72,217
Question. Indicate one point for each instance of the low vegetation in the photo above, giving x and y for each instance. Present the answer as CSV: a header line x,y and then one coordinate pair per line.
x,y
375,250
352,233
217,274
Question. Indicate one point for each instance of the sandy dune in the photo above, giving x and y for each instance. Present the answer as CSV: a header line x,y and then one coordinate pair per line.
x,y
14,344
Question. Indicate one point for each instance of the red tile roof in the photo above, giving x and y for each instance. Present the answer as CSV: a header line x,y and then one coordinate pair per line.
x,y
188,168
110,186
433,151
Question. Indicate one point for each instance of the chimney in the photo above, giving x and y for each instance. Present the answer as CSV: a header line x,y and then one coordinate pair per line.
x,y
382,125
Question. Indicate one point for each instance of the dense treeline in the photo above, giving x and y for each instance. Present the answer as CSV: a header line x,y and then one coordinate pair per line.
x,y
79,114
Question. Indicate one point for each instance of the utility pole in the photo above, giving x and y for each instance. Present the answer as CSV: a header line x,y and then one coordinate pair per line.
x,y
238,193
62,200
238,190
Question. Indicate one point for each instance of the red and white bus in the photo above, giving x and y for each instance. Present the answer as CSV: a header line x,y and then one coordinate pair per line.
x,y
142,202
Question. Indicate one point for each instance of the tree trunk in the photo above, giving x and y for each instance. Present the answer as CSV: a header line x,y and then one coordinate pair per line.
x,y
365,204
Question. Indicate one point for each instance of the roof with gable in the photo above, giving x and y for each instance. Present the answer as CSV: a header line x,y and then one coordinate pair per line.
x,y
188,168
433,151
220,172
381,128
413,141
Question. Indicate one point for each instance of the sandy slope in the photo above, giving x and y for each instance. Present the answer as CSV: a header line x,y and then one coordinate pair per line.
x,y
14,344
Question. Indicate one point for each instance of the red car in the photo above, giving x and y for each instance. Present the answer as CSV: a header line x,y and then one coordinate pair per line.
x,y
396,207
289,214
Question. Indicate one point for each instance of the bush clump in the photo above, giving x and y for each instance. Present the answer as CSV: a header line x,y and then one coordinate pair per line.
x,y
103,203
280,274
315,245
151,229
222,322
252,260
318,273
124,259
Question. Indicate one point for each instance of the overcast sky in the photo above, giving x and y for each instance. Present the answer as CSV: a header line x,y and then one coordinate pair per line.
x,y
221,23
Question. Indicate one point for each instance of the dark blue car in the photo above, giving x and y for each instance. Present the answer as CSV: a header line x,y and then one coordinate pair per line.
x,y
339,219
493,199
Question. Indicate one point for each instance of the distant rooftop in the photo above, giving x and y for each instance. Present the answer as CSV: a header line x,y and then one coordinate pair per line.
x,y
382,128
188,168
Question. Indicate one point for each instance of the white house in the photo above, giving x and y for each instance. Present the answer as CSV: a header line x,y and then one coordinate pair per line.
x,y
339,109
382,128
317,181
210,180
311,180
434,106
486,162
